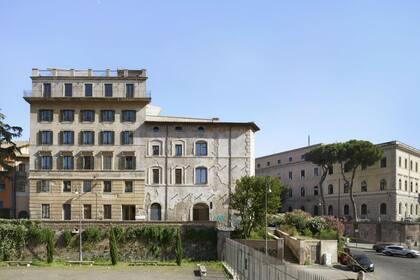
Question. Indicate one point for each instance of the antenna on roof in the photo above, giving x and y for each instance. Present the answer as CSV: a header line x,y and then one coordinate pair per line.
x,y
309,140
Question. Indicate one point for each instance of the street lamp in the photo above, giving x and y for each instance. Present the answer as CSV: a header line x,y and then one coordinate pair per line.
x,y
79,193
267,190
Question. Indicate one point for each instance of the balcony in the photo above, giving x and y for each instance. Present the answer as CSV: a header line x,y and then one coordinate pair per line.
x,y
28,94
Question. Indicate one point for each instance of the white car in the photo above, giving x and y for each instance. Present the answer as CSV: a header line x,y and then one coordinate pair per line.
x,y
400,251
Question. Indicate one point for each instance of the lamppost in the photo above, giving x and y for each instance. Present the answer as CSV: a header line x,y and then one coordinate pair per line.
x,y
267,190
79,193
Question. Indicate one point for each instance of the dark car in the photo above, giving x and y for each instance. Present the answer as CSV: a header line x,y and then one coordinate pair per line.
x,y
361,262
379,247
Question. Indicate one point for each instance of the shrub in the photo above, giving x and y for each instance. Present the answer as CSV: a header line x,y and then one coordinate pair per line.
x,y
92,235
113,251
179,251
307,232
66,237
201,235
289,229
49,233
119,233
316,224
334,224
298,219
327,234
276,219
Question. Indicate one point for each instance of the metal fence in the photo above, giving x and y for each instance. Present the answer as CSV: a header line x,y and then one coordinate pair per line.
x,y
249,264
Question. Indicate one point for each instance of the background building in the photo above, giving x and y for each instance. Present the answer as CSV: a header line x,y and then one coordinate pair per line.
x,y
388,190
100,150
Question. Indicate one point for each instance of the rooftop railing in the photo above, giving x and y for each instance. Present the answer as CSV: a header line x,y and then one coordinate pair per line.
x,y
29,93
54,72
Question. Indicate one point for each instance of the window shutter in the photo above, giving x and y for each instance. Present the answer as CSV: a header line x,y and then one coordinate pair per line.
x,y
38,186
93,138
113,115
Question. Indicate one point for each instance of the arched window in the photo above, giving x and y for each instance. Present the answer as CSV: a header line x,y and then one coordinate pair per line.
x,y
363,209
330,189
411,187
200,129
302,191
201,175
22,167
346,210
155,212
411,209
200,212
346,188
382,185
201,148
363,186
417,187
316,190
155,129
399,184
330,210
316,210
405,185
399,208
382,209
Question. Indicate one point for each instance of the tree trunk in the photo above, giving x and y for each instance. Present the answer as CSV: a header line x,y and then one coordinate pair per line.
x,y
353,202
321,189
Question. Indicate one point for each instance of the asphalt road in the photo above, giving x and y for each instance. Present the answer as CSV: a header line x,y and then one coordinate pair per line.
x,y
391,268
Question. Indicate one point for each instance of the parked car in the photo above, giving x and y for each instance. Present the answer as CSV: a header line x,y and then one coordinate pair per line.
x,y
361,262
400,251
379,247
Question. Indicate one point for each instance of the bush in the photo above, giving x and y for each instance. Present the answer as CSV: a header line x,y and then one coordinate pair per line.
x,y
66,237
92,235
49,233
113,251
334,224
307,232
298,219
179,251
327,234
316,224
289,229
201,235
119,233
276,220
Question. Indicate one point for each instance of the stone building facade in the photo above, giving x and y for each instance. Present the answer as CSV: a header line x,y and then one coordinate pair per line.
x,y
99,150
388,190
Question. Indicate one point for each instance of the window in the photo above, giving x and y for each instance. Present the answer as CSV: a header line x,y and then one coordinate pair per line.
x,y
127,137
128,116
316,190
66,212
107,211
22,167
178,129
411,165
155,129
66,186
156,150
87,186
67,115
87,211
45,115
268,163
45,209
45,137
87,115
346,210
330,170
330,189
302,174
405,163
128,187
399,184
302,191
107,162
346,188
382,185
43,186
258,165
411,187
107,137
128,162
405,185
67,162
46,162
363,186
399,161
382,209
200,129
201,148
107,187
155,212
155,176
363,210
417,166
87,137
330,210
201,175
87,162
399,208
46,92
290,175
383,162
129,90
68,90
279,161
417,187
88,90
316,210
178,150
290,159
316,171
67,137
411,209
108,90
107,115
178,176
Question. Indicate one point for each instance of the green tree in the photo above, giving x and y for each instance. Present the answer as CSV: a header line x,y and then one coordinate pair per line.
x,y
49,235
249,200
113,251
8,148
324,156
179,251
352,155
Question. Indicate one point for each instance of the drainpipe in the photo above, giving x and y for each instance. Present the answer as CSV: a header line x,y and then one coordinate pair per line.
x,y
166,173
229,220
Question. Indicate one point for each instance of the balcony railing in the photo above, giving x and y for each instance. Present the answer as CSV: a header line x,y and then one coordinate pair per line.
x,y
88,73
29,93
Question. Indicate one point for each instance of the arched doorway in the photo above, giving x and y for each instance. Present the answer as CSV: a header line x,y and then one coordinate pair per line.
x,y
155,212
200,212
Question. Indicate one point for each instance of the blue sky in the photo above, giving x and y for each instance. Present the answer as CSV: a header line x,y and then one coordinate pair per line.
x,y
336,70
